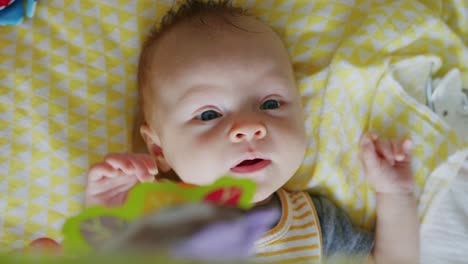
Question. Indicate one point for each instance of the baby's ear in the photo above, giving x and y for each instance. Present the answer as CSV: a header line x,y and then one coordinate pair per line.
x,y
153,144
151,139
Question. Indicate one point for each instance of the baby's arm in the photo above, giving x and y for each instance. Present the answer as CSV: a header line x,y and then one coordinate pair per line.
x,y
387,164
109,182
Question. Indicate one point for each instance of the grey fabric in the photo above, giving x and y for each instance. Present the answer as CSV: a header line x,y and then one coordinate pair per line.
x,y
340,239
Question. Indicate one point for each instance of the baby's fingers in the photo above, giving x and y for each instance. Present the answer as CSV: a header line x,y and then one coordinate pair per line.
x,y
398,153
407,146
368,154
384,148
105,185
150,164
120,162
402,149
101,170
105,191
143,172
138,165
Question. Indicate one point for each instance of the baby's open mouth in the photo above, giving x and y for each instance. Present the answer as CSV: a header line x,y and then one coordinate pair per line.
x,y
249,162
251,165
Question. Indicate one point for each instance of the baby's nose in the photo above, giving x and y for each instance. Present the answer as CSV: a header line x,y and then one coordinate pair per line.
x,y
248,132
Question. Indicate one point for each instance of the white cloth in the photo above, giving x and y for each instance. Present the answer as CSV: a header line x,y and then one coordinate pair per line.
x,y
444,232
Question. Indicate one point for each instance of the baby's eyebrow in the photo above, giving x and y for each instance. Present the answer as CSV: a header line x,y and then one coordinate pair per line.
x,y
276,82
195,92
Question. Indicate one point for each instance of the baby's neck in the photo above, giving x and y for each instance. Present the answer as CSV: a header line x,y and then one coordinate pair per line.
x,y
272,201
265,201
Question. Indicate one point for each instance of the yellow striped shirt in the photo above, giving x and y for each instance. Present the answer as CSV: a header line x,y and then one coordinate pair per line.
x,y
297,236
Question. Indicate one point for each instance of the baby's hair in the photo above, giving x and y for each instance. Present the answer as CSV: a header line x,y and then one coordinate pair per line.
x,y
192,8
180,12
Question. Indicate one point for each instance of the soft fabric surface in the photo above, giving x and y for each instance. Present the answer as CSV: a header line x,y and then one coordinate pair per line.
x,y
444,236
67,95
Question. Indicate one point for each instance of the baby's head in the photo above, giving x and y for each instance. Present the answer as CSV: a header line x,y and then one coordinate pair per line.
x,y
218,98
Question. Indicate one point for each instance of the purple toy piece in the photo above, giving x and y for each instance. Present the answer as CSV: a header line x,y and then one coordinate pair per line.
x,y
228,241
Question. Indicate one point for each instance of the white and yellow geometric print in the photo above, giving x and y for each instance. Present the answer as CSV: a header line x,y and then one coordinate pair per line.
x,y
67,95
348,88
67,92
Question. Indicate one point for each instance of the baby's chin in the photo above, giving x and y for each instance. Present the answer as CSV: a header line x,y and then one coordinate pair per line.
x,y
261,198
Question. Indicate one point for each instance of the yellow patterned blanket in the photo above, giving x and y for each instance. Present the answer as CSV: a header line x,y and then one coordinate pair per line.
x,y
67,94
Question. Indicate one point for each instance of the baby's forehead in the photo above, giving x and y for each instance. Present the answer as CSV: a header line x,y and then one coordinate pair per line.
x,y
208,34
214,47
214,27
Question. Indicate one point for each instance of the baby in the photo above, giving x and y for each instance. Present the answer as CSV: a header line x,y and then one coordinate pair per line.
x,y
218,97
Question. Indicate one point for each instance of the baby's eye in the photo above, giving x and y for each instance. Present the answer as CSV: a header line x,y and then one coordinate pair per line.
x,y
208,115
270,104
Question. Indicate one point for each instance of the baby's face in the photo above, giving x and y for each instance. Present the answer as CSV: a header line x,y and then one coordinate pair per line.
x,y
224,102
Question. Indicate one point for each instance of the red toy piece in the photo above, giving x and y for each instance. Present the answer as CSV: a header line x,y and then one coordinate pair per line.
x,y
5,3
226,196
46,246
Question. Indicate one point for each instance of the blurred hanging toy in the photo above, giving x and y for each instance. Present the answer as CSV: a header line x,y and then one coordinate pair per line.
x,y
169,221
13,11
97,227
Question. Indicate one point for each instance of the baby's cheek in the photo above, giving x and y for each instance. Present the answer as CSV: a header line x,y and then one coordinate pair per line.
x,y
195,166
293,148
196,172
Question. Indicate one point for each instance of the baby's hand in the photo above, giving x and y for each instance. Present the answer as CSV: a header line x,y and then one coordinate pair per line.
x,y
109,181
387,164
